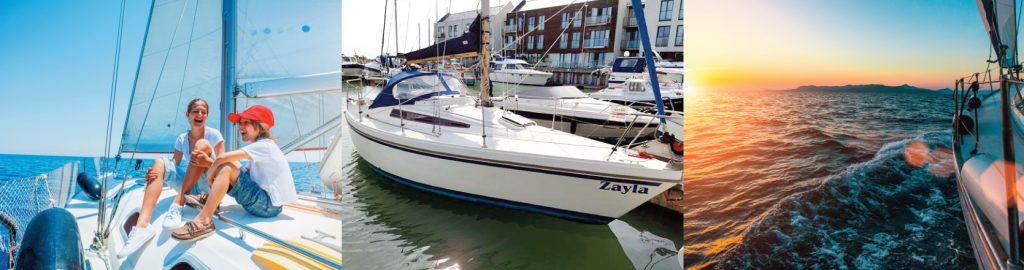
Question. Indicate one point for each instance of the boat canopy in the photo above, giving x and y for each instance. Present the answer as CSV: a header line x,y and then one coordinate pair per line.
x,y
411,86
1000,18
628,64
466,45
552,92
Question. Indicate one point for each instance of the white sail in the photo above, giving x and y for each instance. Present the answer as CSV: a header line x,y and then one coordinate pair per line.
x,y
288,59
1000,19
180,61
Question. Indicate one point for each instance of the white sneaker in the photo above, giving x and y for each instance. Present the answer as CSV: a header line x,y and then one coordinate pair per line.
x,y
173,217
136,239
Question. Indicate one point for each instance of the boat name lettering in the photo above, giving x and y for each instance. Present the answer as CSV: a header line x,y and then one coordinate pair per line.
x,y
634,188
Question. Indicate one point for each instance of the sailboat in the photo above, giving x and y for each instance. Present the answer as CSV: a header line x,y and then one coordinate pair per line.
x,y
425,131
987,140
233,54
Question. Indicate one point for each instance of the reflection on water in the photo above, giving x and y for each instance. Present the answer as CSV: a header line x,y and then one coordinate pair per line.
x,y
388,225
821,179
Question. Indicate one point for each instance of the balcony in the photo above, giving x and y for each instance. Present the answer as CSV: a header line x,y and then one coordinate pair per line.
x,y
598,20
631,22
509,29
595,43
631,44
661,42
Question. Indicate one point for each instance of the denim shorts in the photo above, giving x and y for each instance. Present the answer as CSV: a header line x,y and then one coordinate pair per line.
x,y
174,177
253,198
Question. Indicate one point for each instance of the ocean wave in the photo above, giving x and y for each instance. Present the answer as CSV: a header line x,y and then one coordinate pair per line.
x,y
900,208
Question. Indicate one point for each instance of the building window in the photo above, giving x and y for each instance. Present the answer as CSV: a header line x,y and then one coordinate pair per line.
x,y
532,24
662,39
666,10
540,42
565,20
520,24
598,39
564,41
680,10
578,20
575,40
529,43
540,23
679,35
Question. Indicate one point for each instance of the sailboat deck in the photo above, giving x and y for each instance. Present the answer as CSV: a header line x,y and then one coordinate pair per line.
x,y
227,248
537,141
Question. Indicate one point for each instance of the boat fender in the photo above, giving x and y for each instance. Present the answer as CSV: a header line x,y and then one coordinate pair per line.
x,y
973,103
677,147
964,124
89,185
51,242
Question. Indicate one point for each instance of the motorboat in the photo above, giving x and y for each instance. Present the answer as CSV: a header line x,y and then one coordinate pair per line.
x,y
516,72
568,109
350,68
638,93
423,130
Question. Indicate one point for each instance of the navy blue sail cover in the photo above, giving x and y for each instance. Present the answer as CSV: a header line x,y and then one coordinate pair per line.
x,y
628,64
411,86
468,42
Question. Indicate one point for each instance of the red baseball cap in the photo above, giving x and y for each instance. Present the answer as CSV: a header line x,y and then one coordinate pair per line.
x,y
255,112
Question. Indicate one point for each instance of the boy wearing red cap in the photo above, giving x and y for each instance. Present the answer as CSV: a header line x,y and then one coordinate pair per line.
x,y
261,189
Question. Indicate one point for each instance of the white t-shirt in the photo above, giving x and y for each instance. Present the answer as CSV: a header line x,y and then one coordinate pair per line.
x,y
211,135
268,168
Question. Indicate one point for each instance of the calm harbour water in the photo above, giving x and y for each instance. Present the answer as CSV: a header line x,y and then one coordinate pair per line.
x,y
388,225
813,179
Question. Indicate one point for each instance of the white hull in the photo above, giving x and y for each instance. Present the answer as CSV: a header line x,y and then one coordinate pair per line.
x,y
511,179
982,183
352,72
521,78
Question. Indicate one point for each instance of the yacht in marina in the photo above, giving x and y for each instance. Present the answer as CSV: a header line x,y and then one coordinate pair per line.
x,y
516,72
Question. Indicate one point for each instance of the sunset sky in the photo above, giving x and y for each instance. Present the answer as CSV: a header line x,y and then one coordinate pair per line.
x,y
758,45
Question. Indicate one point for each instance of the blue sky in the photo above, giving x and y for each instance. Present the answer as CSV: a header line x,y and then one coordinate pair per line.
x,y
56,73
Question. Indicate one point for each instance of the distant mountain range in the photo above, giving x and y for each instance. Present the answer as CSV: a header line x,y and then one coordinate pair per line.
x,y
869,88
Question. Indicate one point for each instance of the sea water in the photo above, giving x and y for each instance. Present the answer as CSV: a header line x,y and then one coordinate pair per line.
x,y
822,180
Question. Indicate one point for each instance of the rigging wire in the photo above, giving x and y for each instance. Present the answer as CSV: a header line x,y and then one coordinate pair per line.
x,y
113,91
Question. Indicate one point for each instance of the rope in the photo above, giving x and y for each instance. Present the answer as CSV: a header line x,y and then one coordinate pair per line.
x,y
113,89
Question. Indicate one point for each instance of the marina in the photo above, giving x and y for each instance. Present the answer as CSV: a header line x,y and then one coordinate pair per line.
x,y
386,219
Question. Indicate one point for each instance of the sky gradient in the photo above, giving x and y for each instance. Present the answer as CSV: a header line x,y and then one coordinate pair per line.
x,y
58,57
759,45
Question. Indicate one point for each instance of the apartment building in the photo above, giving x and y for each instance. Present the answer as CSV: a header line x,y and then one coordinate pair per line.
x,y
562,35
664,26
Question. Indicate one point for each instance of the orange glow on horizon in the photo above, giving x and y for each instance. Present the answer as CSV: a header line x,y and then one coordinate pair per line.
x,y
757,45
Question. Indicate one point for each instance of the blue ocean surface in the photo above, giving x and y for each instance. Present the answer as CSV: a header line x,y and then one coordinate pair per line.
x,y
822,180
12,167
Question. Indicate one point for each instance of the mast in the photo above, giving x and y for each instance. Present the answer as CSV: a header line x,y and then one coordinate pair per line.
x,y
227,75
651,72
396,32
485,53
